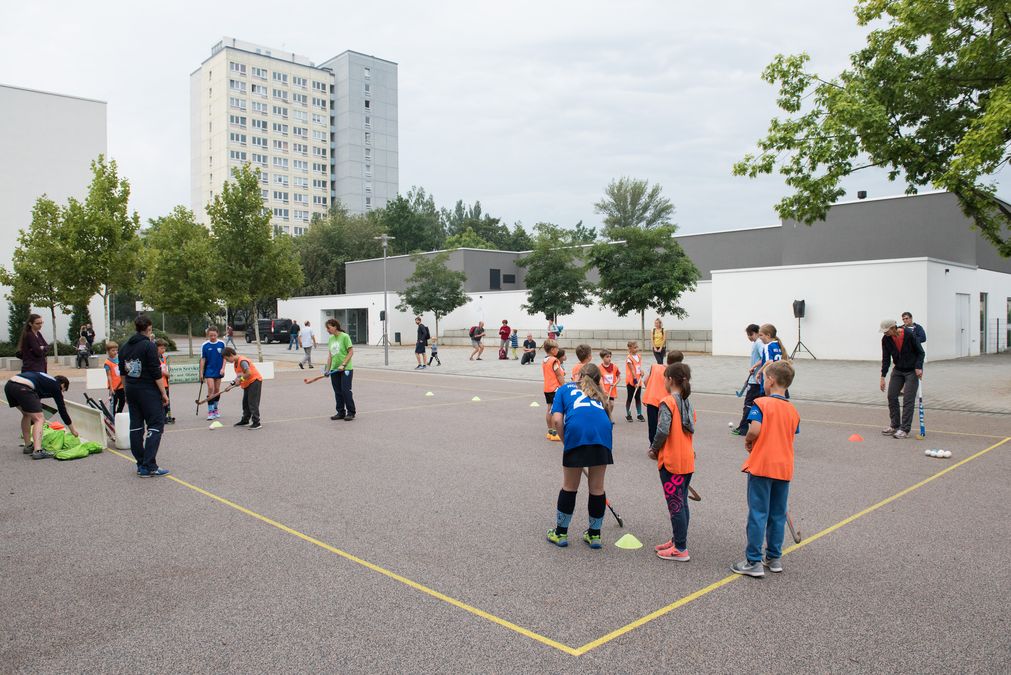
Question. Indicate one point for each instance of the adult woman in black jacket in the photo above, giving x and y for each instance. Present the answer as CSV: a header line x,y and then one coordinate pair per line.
x,y
25,392
32,347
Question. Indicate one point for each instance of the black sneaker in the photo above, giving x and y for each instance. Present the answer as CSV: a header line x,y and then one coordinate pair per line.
x,y
255,425
241,423
300,366
640,418
170,420
628,417
349,417
338,416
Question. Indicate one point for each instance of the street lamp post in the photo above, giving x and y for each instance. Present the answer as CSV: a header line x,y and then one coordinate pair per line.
x,y
385,240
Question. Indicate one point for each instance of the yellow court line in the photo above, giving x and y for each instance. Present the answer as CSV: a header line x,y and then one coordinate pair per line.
x,y
572,651
814,537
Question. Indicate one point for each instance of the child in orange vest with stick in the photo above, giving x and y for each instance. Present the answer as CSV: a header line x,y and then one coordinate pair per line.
x,y
609,375
162,347
554,377
773,422
249,378
675,455
117,394
633,382
655,390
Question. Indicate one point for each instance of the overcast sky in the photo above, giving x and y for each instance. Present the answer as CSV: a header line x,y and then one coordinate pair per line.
x,y
529,107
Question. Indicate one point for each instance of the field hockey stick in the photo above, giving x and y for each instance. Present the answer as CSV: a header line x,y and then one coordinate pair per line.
x,y
109,426
209,397
744,387
693,495
310,380
794,532
200,392
923,426
621,523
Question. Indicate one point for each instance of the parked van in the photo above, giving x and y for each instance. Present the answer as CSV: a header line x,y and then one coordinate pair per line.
x,y
271,330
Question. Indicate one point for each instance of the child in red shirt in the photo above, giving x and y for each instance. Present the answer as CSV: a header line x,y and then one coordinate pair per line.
x,y
773,423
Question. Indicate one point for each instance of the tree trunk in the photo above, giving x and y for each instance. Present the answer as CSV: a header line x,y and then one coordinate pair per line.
x,y
256,335
436,325
105,311
56,340
642,324
189,333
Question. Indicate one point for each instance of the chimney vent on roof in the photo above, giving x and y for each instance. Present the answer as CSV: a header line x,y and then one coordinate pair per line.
x,y
862,194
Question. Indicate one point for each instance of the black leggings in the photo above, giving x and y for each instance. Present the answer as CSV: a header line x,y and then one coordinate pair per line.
x,y
637,392
675,491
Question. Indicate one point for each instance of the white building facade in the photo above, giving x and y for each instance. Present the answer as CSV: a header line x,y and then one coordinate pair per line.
x,y
306,127
50,141
869,260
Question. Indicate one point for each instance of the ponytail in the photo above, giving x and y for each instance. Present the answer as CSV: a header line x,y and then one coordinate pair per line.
x,y
589,384
770,330
682,376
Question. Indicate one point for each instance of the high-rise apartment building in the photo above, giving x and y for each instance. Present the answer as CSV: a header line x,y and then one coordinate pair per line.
x,y
318,134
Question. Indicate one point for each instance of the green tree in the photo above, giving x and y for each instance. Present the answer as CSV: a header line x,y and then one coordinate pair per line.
x,y
17,318
463,219
928,98
468,239
102,233
414,221
433,287
79,316
253,265
583,234
180,262
38,262
631,202
649,271
556,273
332,241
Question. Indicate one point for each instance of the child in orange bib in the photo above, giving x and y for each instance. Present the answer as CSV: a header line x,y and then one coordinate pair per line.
x,y
583,355
675,455
249,378
554,377
162,348
655,389
610,375
633,382
773,424
114,381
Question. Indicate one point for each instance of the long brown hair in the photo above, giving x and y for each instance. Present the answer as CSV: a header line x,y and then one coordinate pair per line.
x,y
589,384
27,330
770,330
682,376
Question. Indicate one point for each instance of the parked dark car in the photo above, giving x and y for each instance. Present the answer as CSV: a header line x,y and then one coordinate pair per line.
x,y
271,330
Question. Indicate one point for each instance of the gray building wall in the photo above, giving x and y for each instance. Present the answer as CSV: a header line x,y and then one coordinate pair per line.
x,y
365,143
929,225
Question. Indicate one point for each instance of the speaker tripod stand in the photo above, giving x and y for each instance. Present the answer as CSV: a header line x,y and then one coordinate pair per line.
x,y
801,347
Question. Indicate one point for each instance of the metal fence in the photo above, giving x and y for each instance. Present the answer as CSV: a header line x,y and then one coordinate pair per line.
x,y
996,337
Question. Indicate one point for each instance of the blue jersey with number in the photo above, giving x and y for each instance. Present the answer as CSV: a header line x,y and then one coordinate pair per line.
x,y
586,421
213,358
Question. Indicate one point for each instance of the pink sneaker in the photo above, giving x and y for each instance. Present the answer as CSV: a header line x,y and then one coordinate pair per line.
x,y
664,547
673,553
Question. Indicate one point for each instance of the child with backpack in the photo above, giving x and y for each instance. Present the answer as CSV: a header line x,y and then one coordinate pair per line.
x,y
675,455
582,413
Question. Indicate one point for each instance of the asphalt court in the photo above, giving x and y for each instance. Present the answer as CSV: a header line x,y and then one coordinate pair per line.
x,y
414,535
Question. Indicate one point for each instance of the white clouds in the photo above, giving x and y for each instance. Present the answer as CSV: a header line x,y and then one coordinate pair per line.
x,y
531,107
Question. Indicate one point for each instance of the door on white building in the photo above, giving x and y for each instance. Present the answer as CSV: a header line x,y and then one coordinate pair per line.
x,y
962,323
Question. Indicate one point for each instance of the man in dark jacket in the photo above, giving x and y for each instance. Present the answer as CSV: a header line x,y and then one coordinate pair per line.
x,y
900,346
146,399
419,347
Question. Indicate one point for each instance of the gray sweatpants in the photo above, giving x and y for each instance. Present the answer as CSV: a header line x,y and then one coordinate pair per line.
x,y
307,359
905,382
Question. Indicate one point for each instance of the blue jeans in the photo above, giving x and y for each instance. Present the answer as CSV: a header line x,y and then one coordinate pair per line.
x,y
766,516
340,380
293,341
144,403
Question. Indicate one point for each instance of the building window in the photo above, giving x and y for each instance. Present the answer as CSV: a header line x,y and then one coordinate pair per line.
x,y
319,86
280,196
368,88
280,162
495,279
237,103
259,107
238,68
300,99
368,138
368,122
281,77
300,115
259,90
281,94
982,323
237,138
237,155
367,71
264,176
300,148
265,194
280,128
237,121
319,103
260,141
368,104
280,111
301,165
300,198
508,278
318,184
368,203
302,132
281,213
281,146
368,154
260,160
318,119
236,85
301,182
299,82
260,125
281,179
319,152
319,167
319,200
319,136
260,73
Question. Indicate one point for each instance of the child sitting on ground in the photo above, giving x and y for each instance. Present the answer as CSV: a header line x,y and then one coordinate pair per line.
x,y
83,352
773,424
654,389
672,448
583,354
249,378
113,380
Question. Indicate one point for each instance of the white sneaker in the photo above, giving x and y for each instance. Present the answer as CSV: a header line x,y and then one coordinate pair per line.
x,y
900,434
888,432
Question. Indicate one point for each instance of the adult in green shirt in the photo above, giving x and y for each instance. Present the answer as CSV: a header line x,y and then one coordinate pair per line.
x,y
341,370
